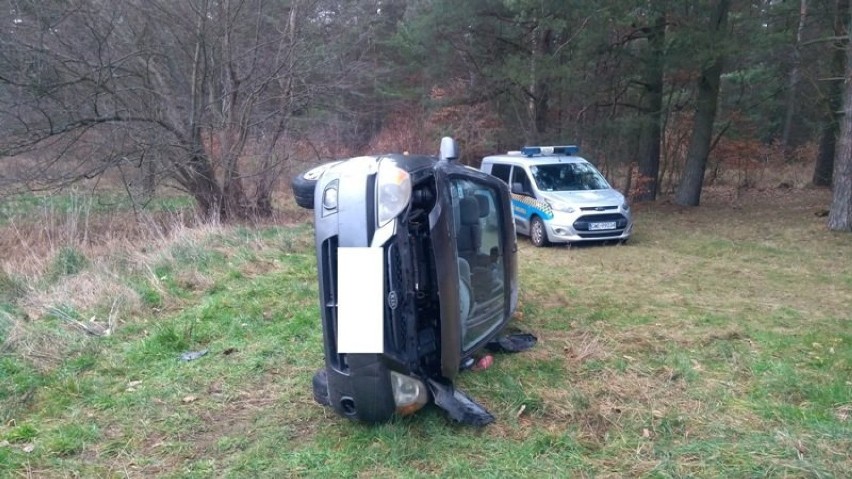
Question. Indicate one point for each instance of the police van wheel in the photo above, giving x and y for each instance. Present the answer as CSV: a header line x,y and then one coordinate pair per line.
x,y
538,233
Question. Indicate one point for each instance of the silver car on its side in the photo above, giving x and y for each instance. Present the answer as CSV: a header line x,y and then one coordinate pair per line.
x,y
417,271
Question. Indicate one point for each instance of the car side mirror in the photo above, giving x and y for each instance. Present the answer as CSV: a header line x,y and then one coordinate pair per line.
x,y
449,149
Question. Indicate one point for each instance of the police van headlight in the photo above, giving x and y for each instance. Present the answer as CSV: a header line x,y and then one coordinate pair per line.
x,y
558,206
393,187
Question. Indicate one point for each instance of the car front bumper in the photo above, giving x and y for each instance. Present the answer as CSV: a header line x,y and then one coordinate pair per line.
x,y
574,227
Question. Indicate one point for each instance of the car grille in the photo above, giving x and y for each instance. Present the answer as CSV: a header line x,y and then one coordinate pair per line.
x,y
597,208
582,225
328,263
394,316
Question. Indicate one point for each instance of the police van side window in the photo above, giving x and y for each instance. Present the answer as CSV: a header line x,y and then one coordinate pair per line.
x,y
501,171
522,181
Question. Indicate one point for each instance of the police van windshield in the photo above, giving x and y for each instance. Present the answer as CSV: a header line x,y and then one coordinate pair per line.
x,y
568,177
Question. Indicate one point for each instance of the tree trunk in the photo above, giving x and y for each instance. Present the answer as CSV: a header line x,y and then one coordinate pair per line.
x,y
199,179
651,132
204,189
828,140
149,178
794,77
840,215
689,190
825,157
539,90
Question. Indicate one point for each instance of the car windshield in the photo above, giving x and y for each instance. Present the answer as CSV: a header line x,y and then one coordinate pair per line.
x,y
568,177
477,214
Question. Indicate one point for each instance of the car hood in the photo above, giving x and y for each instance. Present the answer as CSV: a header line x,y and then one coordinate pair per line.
x,y
586,197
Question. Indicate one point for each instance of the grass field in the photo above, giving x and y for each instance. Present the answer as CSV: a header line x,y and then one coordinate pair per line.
x,y
717,343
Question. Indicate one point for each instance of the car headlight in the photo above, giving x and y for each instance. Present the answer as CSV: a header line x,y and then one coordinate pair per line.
x,y
625,206
409,393
393,186
557,206
329,197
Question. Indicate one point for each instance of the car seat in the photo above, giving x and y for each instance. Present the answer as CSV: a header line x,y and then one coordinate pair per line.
x,y
469,237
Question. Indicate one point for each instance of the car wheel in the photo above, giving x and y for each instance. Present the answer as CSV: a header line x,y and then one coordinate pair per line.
x,y
538,233
304,184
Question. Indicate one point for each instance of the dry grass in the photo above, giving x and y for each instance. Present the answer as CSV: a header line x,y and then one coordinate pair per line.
x,y
118,254
114,246
665,339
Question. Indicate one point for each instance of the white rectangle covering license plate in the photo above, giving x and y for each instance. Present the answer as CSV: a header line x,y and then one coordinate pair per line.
x,y
606,225
360,300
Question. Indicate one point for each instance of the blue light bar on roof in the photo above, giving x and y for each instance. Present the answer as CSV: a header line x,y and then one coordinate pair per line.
x,y
569,150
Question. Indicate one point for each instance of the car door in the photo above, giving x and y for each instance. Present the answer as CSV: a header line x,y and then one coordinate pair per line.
x,y
522,199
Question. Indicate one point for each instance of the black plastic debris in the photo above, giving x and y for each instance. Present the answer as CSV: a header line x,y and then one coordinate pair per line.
x,y
512,343
460,407
192,355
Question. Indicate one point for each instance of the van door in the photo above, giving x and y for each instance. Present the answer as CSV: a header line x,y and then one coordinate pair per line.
x,y
523,197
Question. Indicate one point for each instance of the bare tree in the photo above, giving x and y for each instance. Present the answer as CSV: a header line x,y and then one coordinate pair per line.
x,y
200,92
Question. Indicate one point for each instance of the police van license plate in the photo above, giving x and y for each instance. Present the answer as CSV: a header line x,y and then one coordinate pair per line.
x,y
606,225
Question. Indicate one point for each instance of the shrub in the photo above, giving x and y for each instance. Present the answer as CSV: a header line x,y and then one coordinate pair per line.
x,y
68,262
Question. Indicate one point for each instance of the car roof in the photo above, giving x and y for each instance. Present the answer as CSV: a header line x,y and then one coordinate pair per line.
x,y
517,158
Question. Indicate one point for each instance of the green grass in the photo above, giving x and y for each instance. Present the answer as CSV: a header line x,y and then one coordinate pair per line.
x,y
22,206
716,344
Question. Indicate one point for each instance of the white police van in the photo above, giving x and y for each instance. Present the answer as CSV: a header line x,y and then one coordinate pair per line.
x,y
559,197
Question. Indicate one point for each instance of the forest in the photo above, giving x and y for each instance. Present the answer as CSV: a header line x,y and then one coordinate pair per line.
x,y
224,98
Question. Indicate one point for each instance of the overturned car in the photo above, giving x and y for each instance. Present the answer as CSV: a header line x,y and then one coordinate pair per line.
x,y
416,259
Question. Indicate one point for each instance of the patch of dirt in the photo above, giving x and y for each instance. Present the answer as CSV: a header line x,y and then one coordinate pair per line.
x,y
580,346
734,333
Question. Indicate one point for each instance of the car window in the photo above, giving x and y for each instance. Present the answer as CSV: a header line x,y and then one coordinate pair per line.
x,y
568,177
501,171
481,274
520,178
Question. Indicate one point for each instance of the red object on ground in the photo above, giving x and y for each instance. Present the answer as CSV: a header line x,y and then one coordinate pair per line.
x,y
484,362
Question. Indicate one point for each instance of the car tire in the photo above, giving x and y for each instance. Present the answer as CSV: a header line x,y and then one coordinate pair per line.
x,y
538,233
304,184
